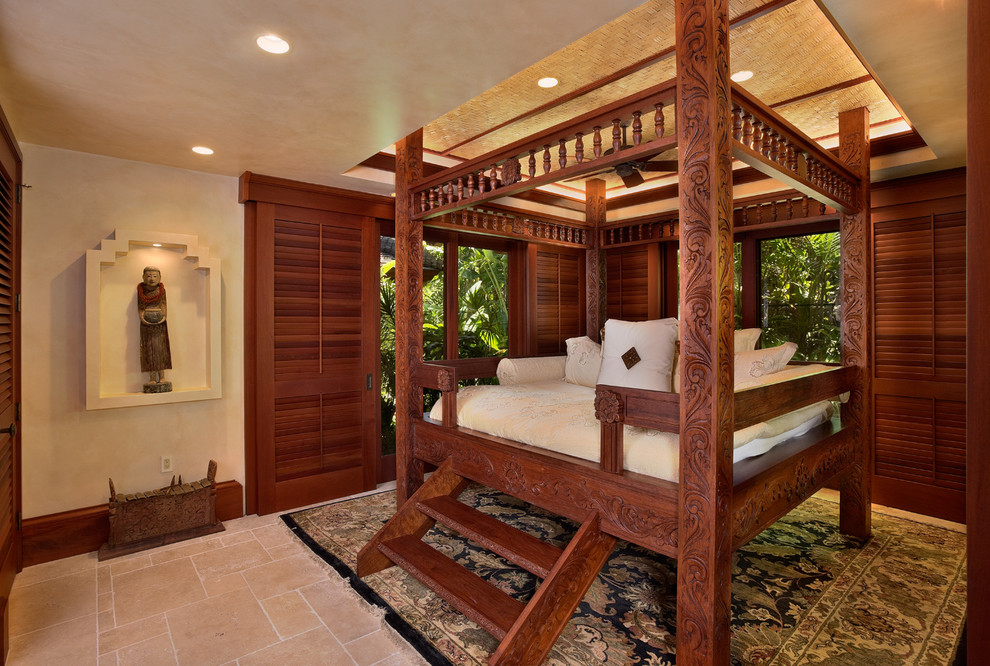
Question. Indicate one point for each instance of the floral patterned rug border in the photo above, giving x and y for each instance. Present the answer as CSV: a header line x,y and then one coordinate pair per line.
x,y
802,592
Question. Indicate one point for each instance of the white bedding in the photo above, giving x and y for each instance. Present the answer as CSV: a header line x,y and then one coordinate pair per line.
x,y
560,416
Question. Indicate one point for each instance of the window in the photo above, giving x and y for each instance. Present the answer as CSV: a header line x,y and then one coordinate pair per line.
x,y
799,303
482,302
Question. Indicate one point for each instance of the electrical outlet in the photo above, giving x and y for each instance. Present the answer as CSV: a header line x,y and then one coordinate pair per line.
x,y
166,464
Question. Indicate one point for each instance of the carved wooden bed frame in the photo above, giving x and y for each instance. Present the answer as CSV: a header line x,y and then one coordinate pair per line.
x,y
716,507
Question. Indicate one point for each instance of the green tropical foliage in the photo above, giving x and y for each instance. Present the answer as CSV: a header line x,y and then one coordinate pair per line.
x,y
800,284
482,318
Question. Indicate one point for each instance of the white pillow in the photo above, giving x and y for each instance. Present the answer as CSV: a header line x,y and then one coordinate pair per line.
x,y
513,371
759,362
584,361
745,339
654,342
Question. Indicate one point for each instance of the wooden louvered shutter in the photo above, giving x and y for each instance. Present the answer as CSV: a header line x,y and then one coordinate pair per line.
x,y
559,298
10,541
317,350
633,282
920,361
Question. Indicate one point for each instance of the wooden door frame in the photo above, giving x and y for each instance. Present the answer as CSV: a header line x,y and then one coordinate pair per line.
x,y
978,330
260,194
9,145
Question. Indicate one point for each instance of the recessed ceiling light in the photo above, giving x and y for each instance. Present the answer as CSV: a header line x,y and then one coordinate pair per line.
x,y
202,150
742,75
156,244
547,82
273,44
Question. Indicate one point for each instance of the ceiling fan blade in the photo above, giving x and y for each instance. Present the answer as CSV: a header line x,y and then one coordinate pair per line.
x,y
587,175
659,165
632,179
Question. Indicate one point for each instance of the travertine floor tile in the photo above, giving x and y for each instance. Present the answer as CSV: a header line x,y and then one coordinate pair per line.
x,y
129,563
217,563
155,651
220,629
135,632
155,589
230,598
348,617
290,614
314,648
53,601
273,535
284,575
72,642
185,550
371,649
56,569
224,584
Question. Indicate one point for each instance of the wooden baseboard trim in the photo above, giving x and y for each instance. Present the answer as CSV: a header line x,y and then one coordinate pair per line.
x,y
59,535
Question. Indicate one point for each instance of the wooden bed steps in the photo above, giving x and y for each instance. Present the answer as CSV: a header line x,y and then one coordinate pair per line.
x,y
527,631
493,610
532,554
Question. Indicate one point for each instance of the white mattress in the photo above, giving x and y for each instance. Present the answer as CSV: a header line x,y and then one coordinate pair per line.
x,y
560,416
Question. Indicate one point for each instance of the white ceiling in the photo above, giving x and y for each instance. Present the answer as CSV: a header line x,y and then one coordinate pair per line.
x,y
148,79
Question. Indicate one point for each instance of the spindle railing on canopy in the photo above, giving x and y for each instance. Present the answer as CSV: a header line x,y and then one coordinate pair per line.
x,y
771,145
592,142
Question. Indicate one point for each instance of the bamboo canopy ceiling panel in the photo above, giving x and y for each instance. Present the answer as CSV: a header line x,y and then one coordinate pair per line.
x,y
802,67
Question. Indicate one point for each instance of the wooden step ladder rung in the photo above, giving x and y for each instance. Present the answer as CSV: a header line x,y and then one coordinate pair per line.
x,y
491,608
523,549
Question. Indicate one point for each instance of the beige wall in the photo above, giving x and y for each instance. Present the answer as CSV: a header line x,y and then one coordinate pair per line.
x,y
76,201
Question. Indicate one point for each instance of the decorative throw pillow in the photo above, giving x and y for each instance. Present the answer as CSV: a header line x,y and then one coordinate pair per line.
x,y
584,361
512,371
653,342
745,339
759,362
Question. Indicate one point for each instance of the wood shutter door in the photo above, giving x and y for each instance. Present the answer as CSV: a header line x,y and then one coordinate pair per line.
x,y
919,389
556,298
10,466
634,285
315,354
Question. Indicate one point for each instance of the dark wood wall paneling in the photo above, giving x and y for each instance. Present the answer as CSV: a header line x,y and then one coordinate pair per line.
x,y
920,344
634,282
556,297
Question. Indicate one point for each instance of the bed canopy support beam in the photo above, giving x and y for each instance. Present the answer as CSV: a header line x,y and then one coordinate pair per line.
x,y
409,314
595,297
704,563
857,324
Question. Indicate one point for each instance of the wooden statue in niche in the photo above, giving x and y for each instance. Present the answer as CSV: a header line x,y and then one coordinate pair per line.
x,y
156,354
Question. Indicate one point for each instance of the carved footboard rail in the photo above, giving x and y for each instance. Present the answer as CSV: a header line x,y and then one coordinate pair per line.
x,y
617,406
561,152
443,376
771,145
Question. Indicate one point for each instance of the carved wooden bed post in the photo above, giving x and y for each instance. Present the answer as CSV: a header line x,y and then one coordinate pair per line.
x,y
704,550
594,206
408,313
857,324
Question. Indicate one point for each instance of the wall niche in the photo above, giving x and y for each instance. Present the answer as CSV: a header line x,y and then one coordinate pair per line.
x,y
192,280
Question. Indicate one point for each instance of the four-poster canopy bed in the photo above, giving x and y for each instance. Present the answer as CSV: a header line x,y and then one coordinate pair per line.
x,y
714,507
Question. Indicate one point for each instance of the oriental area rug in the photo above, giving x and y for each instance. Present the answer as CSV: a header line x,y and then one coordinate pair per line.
x,y
802,593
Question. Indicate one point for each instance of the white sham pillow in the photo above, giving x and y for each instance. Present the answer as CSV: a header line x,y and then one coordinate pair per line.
x,y
654,344
584,361
745,339
760,362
